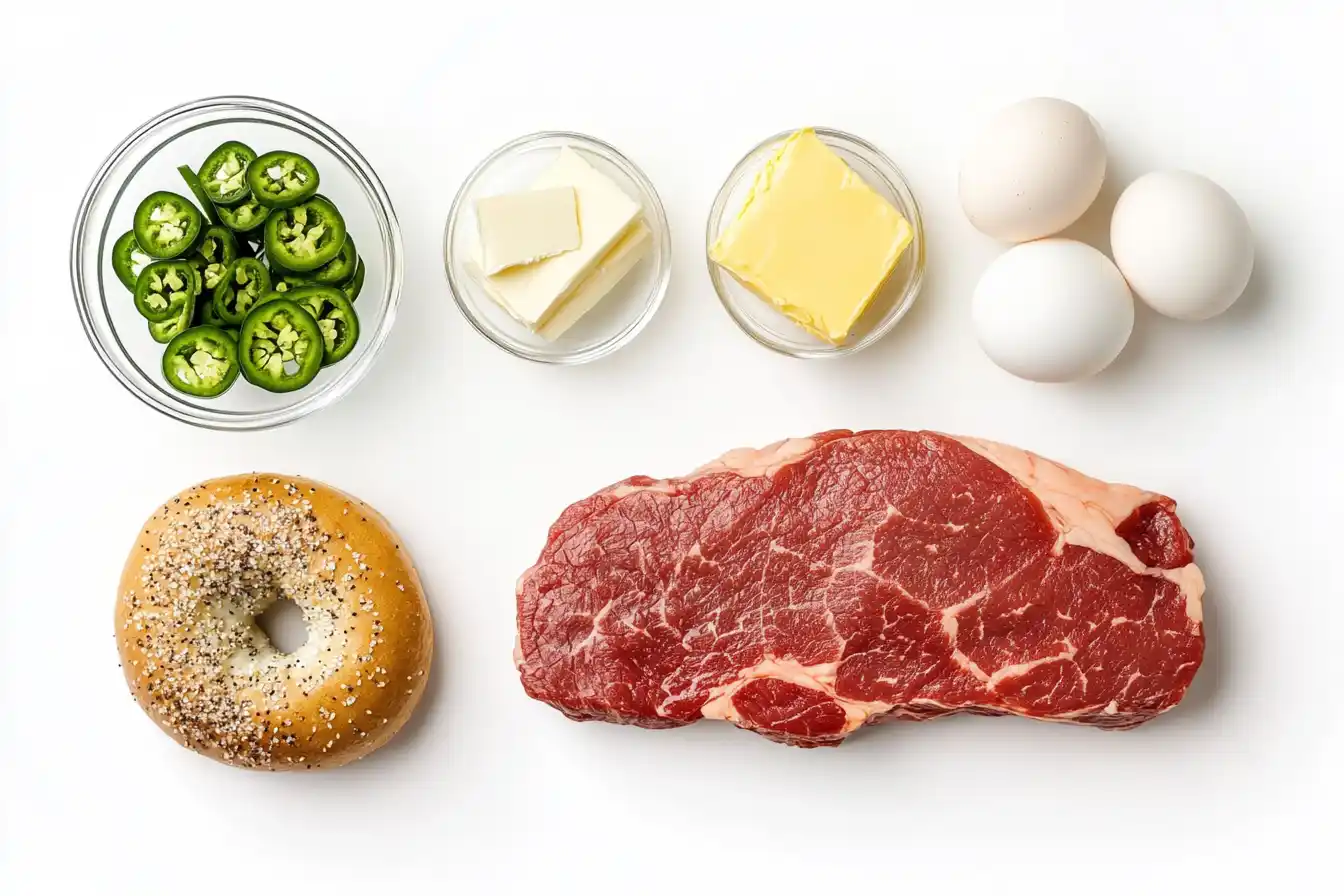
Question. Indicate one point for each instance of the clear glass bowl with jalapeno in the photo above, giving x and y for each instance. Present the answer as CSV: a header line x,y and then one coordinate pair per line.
x,y
186,173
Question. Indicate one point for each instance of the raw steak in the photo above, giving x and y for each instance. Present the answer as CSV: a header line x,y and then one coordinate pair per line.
x,y
823,584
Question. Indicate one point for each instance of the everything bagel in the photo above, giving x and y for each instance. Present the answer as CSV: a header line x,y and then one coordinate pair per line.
x,y
215,557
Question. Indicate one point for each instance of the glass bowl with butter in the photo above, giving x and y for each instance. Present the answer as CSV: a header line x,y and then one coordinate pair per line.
x,y
557,248
816,244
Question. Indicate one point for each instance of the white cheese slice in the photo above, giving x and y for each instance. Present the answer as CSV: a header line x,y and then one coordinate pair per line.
x,y
611,270
524,228
532,293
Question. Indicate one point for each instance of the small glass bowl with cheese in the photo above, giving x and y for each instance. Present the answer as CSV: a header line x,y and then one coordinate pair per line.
x,y
580,304
807,260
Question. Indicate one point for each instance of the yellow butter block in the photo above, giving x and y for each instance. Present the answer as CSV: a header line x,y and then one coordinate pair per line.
x,y
813,239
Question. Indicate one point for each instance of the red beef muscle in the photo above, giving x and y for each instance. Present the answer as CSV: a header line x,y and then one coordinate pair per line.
x,y
823,584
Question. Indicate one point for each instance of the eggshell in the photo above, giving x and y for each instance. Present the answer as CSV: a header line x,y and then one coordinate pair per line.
x,y
1183,244
1052,311
1033,171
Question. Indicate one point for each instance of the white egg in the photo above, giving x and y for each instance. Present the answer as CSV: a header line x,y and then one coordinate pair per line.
x,y
1052,311
1183,244
1033,171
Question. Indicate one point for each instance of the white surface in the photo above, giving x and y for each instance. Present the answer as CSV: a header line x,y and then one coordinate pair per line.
x,y
472,453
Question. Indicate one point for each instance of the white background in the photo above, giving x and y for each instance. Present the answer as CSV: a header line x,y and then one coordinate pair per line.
x,y
472,453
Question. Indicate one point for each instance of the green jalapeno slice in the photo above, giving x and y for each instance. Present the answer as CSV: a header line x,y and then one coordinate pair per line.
x,y
287,282
340,269
335,317
163,288
217,249
245,282
356,284
206,314
281,179
166,224
128,259
223,174
305,237
280,346
164,331
199,194
244,217
201,361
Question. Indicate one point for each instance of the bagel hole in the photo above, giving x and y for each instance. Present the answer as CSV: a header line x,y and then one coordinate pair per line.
x,y
283,623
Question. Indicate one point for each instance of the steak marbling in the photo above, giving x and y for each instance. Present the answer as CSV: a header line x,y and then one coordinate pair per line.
x,y
822,584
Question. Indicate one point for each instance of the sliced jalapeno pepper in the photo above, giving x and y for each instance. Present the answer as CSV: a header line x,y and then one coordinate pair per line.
x,y
218,244
207,315
281,179
287,282
128,259
217,249
335,317
356,285
340,269
244,217
163,288
305,237
194,185
278,270
166,224
285,279
280,346
223,174
246,281
164,331
201,361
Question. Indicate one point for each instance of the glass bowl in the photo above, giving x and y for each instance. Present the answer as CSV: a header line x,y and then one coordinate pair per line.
x,y
762,321
620,315
146,161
